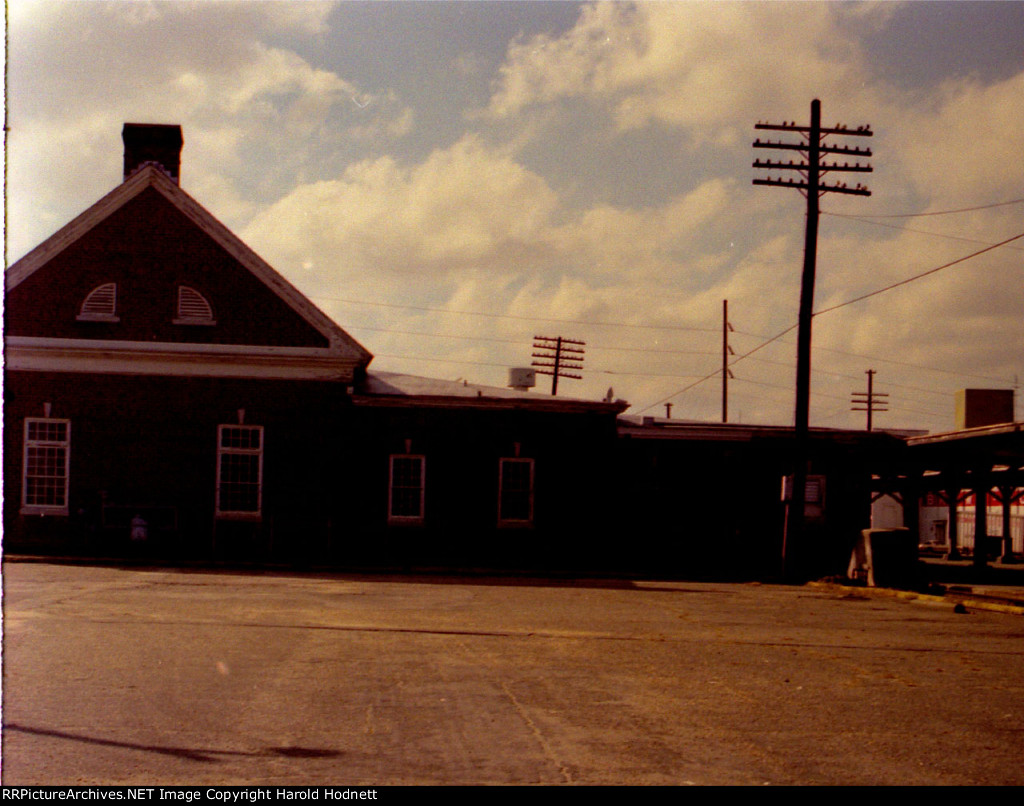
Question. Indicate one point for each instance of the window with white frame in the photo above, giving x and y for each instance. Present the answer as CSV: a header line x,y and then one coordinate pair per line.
x,y
47,459
239,471
406,489
193,308
515,492
100,305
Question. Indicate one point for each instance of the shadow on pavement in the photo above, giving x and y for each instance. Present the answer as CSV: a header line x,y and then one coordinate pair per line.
x,y
204,755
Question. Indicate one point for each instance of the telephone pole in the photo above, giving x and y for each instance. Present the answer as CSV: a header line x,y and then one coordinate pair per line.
x,y
560,354
871,400
809,169
726,352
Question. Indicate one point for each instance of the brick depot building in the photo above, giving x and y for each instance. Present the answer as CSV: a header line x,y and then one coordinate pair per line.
x,y
167,392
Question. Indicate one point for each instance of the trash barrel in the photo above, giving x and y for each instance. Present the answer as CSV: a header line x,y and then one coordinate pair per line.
x,y
885,558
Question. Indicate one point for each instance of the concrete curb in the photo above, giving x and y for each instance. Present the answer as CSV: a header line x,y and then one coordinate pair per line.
x,y
988,602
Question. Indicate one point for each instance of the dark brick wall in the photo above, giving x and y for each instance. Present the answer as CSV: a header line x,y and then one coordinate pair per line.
x,y
573,487
149,248
149,444
714,508
601,503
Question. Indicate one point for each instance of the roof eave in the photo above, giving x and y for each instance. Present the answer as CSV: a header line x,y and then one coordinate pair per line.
x,y
494,403
151,176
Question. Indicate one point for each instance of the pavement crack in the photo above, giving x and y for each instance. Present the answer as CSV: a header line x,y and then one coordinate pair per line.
x,y
537,734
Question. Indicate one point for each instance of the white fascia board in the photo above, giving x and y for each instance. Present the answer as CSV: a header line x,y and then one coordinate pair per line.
x,y
151,176
75,229
93,356
273,279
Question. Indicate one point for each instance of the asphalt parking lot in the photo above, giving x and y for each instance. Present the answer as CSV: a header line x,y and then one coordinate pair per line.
x,y
136,676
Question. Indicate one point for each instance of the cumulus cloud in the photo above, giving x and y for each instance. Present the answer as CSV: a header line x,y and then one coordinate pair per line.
x,y
254,113
686,64
461,249
462,208
963,141
710,72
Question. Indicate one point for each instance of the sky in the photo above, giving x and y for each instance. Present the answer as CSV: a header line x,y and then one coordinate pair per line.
x,y
449,180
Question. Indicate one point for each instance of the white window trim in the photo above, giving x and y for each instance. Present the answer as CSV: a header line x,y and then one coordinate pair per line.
x,y
239,515
515,522
99,316
41,509
408,520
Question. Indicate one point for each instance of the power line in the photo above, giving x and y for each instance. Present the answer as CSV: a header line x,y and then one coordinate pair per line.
x,y
836,307
711,375
856,378
641,374
889,361
514,316
521,342
939,212
787,364
918,276
440,360
710,330
704,378
504,366
917,231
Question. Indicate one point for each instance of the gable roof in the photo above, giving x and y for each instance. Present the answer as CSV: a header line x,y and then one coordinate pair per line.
x,y
341,344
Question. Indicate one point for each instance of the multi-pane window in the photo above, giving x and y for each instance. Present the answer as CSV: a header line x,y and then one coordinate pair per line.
x,y
45,471
405,493
239,470
515,492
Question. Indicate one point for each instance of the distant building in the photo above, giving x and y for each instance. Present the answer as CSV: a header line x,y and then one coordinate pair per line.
x,y
961,491
978,407
711,497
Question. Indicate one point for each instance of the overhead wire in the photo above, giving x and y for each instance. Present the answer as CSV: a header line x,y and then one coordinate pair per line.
x,y
516,316
711,375
716,372
640,350
889,287
916,231
521,342
935,213
857,377
678,327
502,365
893,361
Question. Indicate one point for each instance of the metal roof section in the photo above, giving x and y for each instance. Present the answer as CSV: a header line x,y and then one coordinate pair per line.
x,y
398,389
637,427
968,434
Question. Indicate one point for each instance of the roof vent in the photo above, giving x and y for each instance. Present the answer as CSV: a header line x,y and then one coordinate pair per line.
x,y
148,143
522,379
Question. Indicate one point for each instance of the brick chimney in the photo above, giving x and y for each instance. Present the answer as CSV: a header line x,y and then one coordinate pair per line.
x,y
152,143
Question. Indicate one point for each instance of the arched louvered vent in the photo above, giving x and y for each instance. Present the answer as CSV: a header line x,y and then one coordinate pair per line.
x,y
193,308
100,305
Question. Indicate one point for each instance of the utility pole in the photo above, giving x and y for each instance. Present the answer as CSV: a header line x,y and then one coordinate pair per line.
x,y
810,171
871,400
726,352
562,354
